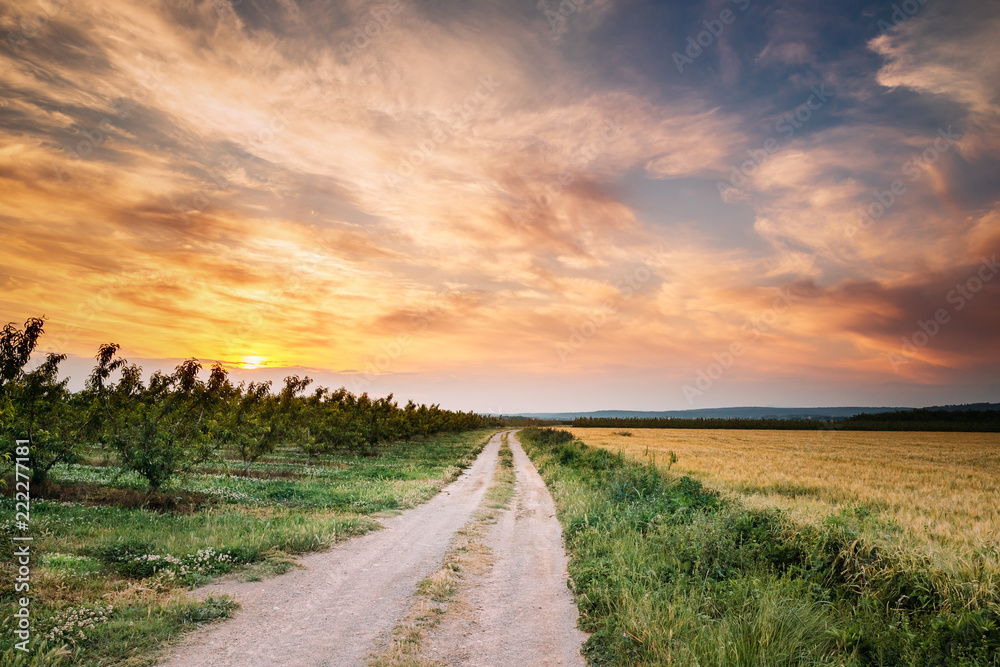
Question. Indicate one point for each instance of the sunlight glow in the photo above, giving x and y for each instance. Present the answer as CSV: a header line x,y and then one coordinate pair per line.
x,y
250,363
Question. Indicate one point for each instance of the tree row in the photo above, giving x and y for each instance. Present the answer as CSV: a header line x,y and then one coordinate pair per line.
x,y
173,422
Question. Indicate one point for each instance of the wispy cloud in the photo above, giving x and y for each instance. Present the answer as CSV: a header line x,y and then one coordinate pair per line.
x,y
296,181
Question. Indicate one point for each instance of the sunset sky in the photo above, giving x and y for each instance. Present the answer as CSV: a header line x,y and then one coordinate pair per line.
x,y
507,206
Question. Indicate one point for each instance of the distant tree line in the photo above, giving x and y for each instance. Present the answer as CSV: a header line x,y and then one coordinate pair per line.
x,y
898,420
175,421
926,420
516,421
700,422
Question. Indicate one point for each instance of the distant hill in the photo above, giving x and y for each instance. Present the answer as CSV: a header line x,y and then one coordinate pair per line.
x,y
749,412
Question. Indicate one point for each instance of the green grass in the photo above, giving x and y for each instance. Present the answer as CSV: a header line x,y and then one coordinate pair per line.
x,y
502,491
89,556
415,469
666,572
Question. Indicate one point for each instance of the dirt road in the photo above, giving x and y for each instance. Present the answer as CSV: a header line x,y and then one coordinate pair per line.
x,y
521,611
334,611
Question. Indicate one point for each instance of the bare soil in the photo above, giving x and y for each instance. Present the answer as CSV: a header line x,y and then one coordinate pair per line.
x,y
98,495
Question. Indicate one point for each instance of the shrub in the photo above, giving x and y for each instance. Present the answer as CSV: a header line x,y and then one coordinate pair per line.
x,y
548,436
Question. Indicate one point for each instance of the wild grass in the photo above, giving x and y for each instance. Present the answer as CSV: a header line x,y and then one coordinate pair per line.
x,y
669,572
503,489
113,577
941,489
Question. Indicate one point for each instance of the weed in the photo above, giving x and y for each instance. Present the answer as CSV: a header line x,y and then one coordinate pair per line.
x,y
667,571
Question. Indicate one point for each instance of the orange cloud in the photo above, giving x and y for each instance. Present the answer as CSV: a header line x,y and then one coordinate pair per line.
x,y
189,179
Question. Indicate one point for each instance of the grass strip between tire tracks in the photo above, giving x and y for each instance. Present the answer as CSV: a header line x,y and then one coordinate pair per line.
x,y
440,593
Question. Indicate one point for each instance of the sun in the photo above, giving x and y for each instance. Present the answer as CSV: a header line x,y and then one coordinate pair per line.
x,y
250,363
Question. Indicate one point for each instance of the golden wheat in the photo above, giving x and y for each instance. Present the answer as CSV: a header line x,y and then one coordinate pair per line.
x,y
942,488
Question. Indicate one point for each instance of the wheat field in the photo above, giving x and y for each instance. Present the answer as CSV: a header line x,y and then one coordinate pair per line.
x,y
943,489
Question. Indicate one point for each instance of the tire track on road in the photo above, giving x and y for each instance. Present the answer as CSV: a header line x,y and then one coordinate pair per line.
x,y
330,613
